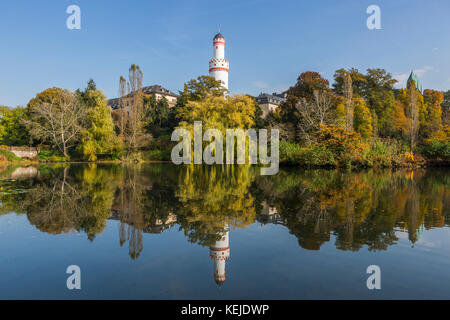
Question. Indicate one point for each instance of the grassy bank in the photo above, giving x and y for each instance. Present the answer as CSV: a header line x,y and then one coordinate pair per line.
x,y
381,154
331,153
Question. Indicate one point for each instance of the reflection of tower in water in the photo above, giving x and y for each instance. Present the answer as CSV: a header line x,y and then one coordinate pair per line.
x,y
220,252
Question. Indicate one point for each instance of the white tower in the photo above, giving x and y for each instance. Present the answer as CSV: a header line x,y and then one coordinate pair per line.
x,y
220,252
219,66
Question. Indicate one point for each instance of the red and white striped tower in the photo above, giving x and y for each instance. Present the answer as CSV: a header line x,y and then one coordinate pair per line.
x,y
220,252
219,66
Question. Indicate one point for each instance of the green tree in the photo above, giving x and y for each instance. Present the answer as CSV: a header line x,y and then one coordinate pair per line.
x,y
379,95
98,136
158,115
200,88
12,130
260,123
358,81
84,95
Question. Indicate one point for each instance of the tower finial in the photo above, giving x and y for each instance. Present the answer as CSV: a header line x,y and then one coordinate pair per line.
x,y
218,27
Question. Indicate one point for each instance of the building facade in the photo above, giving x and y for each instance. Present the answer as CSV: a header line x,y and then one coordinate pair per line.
x,y
270,102
157,90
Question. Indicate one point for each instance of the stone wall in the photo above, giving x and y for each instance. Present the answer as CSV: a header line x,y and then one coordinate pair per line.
x,y
24,152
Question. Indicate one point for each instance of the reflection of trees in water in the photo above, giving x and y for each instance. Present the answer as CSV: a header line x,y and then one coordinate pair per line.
x,y
71,200
357,209
129,202
143,204
211,197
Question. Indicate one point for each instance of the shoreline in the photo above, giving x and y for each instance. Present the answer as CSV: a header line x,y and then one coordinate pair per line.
x,y
413,165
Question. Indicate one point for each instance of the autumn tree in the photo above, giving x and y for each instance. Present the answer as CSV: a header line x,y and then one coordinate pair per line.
x,y
446,108
307,84
362,118
433,100
287,116
314,113
56,116
219,112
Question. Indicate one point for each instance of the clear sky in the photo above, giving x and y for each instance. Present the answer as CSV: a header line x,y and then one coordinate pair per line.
x,y
269,43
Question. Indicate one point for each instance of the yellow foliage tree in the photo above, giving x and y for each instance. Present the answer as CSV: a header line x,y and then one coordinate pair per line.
x,y
362,118
219,112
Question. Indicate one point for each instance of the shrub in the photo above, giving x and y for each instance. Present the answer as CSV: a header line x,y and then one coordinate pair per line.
x,y
157,155
44,155
345,146
288,151
310,156
51,156
435,149
384,154
161,143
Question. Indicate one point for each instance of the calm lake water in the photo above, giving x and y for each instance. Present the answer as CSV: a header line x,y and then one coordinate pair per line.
x,y
158,231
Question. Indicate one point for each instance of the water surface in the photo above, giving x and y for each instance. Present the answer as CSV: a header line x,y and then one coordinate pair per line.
x,y
158,231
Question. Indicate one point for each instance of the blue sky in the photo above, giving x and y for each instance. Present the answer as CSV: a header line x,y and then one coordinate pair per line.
x,y
269,43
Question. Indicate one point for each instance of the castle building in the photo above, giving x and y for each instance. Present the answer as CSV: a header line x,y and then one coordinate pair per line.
x,y
270,102
157,90
220,252
160,93
218,65
269,214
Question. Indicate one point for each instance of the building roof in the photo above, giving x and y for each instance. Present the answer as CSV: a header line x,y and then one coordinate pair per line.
x,y
158,89
271,98
219,35
114,103
415,78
